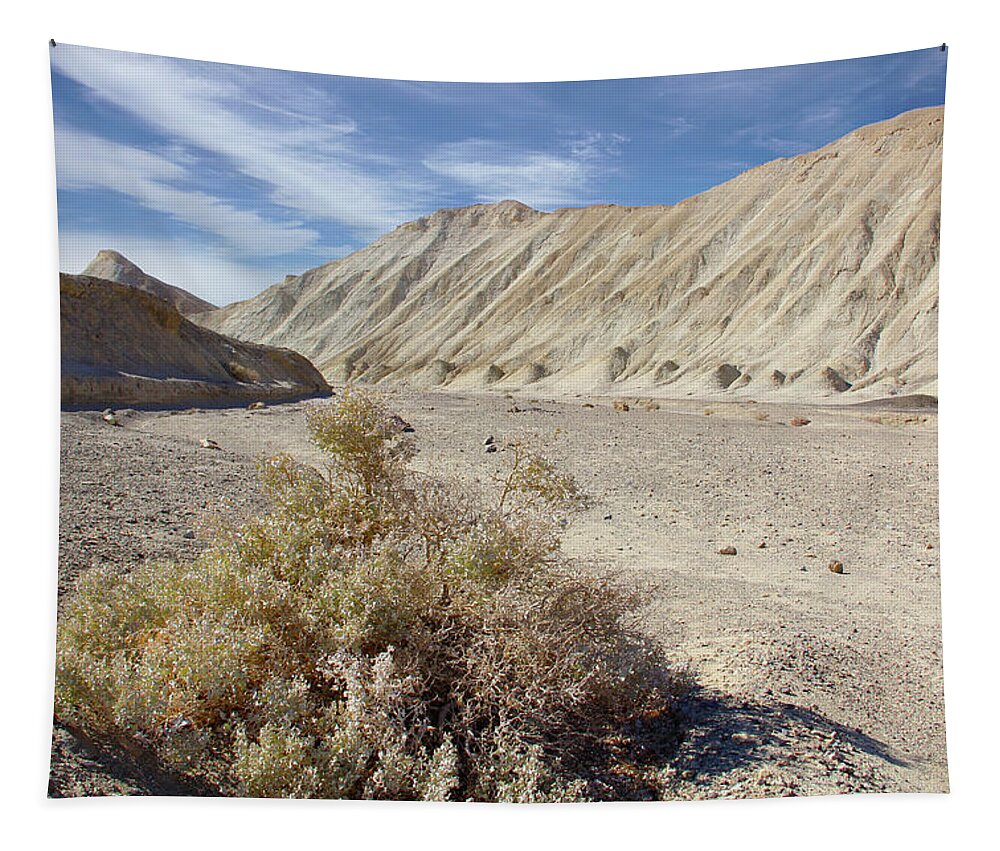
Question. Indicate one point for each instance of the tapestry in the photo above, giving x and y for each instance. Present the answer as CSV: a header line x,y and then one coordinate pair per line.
x,y
518,442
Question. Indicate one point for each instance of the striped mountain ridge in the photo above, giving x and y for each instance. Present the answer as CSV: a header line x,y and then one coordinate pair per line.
x,y
814,275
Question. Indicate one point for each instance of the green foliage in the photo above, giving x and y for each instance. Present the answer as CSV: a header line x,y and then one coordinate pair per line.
x,y
376,635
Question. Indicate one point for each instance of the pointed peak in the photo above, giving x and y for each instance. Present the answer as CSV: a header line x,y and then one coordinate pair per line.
x,y
116,256
110,252
111,265
108,263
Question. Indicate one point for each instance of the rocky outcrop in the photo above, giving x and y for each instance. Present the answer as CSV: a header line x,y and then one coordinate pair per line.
x,y
112,266
824,261
726,374
122,346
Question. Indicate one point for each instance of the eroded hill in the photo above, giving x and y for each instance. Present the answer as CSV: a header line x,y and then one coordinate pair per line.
x,y
123,346
815,275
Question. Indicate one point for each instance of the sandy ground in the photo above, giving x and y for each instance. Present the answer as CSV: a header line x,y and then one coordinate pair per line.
x,y
809,682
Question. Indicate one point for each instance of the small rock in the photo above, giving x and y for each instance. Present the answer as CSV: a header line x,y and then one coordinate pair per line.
x,y
727,551
799,421
206,443
762,545
256,406
110,418
726,374
189,534
836,567
488,441
621,405
607,516
491,448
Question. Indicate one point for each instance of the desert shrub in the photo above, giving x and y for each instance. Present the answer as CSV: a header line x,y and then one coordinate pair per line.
x,y
376,635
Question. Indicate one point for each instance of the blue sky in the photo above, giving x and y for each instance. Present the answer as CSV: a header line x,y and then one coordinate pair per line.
x,y
222,179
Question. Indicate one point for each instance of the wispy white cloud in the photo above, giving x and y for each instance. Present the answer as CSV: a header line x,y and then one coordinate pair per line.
x,y
293,139
496,171
597,145
928,74
678,126
821,118
84,161
503,99
760,136
801,131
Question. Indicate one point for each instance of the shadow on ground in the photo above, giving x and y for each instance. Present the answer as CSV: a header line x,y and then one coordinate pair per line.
x,y
84,767
713,744
738,748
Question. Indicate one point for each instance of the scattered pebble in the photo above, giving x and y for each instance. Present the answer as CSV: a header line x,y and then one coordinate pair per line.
x,y
727,551
836,567
207,443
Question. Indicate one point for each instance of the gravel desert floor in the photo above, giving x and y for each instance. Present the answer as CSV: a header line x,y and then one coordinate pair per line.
x,y
807,681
